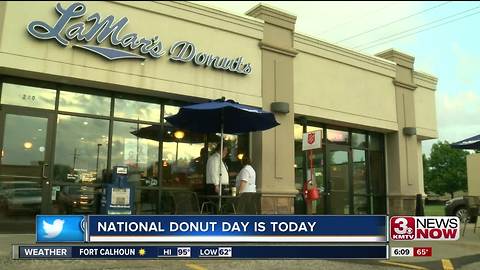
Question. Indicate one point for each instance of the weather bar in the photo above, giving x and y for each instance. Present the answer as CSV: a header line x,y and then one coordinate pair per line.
x,y
196,252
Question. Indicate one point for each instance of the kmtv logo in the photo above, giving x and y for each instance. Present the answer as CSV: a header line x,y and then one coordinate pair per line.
x,y
424,228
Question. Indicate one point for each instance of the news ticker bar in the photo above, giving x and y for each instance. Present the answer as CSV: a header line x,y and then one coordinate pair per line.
x,y
198,252
211,229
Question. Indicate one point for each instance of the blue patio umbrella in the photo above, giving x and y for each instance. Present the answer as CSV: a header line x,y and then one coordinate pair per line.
x,y
222,116
469,143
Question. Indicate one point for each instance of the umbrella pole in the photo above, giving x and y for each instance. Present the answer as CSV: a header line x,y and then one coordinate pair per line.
x,y
220,169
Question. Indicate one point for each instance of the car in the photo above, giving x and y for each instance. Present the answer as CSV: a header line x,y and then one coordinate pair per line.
x,y
7,186
458,207
23,200
77,199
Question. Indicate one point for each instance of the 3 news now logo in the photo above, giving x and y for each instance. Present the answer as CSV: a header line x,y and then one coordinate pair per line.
x,y
424,228
62,228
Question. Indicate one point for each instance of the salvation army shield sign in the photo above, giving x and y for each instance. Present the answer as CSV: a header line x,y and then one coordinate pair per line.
x,y
312,140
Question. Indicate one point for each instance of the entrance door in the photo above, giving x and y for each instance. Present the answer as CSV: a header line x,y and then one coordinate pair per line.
x,y
24,167
338,199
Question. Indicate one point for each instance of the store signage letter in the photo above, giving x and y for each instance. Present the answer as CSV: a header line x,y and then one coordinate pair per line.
x,y
108,28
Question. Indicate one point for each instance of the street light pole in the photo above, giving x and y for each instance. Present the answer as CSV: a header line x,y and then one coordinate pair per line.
x,y
74,157
98,154
178,136
176,154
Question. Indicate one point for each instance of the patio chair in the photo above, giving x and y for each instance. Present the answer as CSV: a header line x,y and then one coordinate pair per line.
x,y
187,203
473,205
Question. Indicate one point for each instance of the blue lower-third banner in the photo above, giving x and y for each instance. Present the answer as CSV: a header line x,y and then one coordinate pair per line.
x,y
198,252
236,228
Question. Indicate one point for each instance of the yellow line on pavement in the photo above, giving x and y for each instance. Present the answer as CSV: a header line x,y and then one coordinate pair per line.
x,y
409,266
447,264
195,266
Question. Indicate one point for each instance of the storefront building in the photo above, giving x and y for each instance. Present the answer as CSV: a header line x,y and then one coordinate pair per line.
x,y
78,78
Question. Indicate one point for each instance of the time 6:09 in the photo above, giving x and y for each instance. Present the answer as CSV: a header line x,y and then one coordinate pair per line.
x,y
402,251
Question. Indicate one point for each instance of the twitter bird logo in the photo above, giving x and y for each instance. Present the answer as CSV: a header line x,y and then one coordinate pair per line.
x,y
60,228
53,230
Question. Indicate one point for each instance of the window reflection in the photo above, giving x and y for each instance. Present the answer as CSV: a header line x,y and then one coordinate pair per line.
x,y
24,144
75,199
344,169
375,141
337,136
80,149
148,201
298,132
28,96
183,165
362,205
140,155
359,172
170,110
136,110
359,140
84,103
299,156
339,182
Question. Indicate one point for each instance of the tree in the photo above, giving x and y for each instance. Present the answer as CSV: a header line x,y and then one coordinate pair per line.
x,y
446,169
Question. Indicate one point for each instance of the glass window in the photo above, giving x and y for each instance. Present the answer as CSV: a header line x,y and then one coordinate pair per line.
x,y
140,155
377,178
359,172
81,149
71,199
148,201
316,161
24,144
299,156
377,181
28,96
313,128
170,110
375,141
337,136
361,205
131,109
339,179
236,149
84,103
298,132
359,140
183,164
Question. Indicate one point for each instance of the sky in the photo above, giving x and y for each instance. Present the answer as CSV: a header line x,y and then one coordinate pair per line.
x,y
442,35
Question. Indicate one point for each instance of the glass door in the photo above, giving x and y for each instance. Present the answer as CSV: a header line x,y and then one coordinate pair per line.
x,y
24,167
338,197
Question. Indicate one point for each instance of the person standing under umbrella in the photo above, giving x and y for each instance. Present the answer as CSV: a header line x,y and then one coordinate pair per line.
x,y
213,174
245,181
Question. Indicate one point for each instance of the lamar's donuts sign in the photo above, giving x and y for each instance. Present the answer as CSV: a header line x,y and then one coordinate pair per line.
x,y
123,45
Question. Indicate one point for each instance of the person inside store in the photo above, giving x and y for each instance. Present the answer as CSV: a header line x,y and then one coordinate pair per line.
x,y
245,181
213,170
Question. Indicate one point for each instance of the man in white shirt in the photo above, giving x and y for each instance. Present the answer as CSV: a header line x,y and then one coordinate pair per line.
x,y
213,170
246,178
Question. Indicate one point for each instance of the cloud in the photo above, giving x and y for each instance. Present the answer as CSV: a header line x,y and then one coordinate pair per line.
x,y
458,116
468,64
